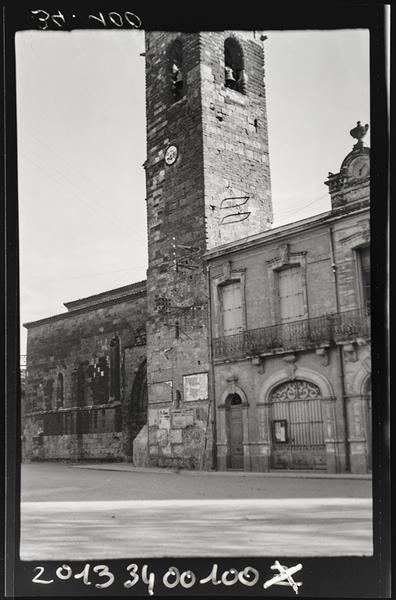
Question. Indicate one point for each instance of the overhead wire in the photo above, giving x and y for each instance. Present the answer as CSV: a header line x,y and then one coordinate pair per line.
x,y
75,193
303,206
89,274
89,180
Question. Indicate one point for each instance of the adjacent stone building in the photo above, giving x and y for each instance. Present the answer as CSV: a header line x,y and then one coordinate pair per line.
x,y
257,353
291,337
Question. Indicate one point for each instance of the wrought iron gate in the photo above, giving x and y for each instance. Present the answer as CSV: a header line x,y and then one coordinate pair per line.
x,y
297,427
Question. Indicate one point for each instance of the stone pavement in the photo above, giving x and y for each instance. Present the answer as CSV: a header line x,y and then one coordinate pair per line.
x,y
188,528
118,511
116,466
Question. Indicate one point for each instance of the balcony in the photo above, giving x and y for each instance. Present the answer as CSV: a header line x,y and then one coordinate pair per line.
x,y
296,335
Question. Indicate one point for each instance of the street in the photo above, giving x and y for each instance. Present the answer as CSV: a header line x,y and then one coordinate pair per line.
x,y
112,511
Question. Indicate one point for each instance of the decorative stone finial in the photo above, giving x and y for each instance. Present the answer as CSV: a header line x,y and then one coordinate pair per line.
x,y
359,132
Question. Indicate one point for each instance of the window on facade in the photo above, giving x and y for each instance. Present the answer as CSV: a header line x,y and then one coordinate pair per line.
x,y
48,389
176,70
78,386
234,71
140,337
364,268
291,305
232,308
115,368
234,399
59,391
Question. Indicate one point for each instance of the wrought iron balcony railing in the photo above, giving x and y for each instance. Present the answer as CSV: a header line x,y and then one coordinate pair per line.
x,y
296,334
351,324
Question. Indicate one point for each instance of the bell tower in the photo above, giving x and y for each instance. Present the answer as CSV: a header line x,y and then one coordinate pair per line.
x,y
208,183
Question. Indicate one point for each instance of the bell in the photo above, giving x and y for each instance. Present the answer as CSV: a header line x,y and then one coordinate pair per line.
x,y
177,83
229,77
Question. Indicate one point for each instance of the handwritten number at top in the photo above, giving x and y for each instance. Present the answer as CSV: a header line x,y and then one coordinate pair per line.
x,y
112,18
43,20
117,19
43,17
58,19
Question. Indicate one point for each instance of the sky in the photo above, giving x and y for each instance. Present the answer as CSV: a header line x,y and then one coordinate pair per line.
x,y
81,149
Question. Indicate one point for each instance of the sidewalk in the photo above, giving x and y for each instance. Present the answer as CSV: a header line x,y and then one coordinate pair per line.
x,y
296,474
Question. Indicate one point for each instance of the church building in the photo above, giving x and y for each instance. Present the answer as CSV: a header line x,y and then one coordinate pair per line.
x,y
247,347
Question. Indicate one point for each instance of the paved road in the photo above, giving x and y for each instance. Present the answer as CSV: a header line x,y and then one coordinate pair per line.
x,y
72,513
50,481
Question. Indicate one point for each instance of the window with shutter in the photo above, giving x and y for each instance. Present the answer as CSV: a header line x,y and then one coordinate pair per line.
x,y
232,308
364,255
291,303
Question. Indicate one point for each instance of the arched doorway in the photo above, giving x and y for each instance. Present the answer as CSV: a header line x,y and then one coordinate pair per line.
x,y
233,405
137,409
297,426
367,417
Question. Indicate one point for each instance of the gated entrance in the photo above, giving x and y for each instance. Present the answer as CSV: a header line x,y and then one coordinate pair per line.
x,y
297,426
235,430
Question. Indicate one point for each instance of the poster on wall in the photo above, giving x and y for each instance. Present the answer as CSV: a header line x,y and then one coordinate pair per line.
x,y
182,418
280,431
162,392
195,387
164,418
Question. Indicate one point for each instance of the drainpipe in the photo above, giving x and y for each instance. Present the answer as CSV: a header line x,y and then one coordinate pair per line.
x,y
340,356
212,400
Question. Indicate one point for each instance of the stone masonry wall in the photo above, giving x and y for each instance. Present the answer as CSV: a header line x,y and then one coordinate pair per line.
x,y
177,335
179,223
236,155
260,295
89,423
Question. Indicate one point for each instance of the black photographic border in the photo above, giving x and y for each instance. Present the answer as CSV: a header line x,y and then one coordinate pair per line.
x,y
352,577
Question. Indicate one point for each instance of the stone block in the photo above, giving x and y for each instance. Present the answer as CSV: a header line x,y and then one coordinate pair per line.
x,y
162,437
176,436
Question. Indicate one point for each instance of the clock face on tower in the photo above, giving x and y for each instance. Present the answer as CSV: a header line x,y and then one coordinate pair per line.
x,y
359,168
171,155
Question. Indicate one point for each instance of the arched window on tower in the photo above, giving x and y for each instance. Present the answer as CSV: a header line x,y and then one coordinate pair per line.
x,y
59,391
176,70
115,368
235,76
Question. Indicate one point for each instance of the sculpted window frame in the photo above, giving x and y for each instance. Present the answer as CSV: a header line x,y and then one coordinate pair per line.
x,y
363,301
286,259
228,276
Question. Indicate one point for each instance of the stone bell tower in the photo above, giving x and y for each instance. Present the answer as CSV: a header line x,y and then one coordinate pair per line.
x,y
208,183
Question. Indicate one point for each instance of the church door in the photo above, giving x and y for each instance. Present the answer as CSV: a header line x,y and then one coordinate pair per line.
x,y
235,431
